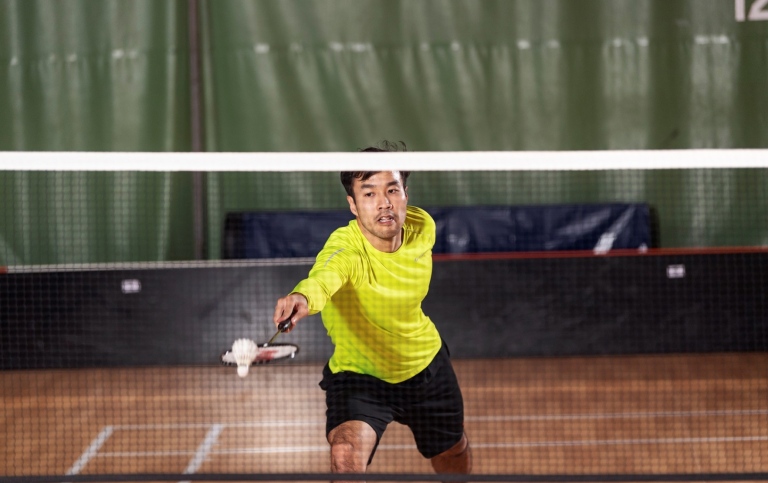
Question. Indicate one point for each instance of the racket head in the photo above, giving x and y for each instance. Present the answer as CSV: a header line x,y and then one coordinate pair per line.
x,y
268,353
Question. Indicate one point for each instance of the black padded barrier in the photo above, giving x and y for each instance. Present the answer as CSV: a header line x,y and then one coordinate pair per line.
x,y
496,306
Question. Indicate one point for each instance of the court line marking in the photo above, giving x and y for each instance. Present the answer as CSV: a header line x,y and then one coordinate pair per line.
x,y
204,449
211,438
133,454
608,442
528,444
634,415
244,424
550,417
91,451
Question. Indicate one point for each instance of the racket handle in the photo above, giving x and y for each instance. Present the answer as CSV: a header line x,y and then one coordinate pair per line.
x,y
281,327
284,325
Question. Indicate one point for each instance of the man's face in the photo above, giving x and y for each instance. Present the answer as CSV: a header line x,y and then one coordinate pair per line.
x,y
380,205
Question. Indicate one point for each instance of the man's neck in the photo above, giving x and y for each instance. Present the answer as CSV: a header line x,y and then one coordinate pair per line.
x,y
384,245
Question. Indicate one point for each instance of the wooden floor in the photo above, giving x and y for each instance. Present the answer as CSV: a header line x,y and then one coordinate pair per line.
x,y
670,414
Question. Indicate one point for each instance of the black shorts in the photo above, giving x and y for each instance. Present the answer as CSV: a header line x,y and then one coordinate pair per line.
x,y
430,404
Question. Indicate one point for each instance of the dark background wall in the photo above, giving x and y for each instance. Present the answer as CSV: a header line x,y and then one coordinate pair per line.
x,y
502,307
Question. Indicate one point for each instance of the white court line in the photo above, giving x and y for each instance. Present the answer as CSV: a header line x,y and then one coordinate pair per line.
x,y
524,444
551,417
277,450
617,442
304,449
246,424
138,454
204,449
91,451
529,444
658,414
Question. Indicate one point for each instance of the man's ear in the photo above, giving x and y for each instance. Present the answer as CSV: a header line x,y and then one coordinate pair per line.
x,y
352,205
406,192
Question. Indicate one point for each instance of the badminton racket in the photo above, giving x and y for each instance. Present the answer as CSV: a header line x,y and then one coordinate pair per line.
x,y
259,353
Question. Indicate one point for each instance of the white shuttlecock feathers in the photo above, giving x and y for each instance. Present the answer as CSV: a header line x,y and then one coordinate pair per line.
x,y
244,351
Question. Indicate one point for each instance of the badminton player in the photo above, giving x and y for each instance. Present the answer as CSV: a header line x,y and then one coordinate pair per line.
x,y
389,361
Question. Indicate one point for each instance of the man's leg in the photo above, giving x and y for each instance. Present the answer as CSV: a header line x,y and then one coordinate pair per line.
x,y
352,443
457,459
437,419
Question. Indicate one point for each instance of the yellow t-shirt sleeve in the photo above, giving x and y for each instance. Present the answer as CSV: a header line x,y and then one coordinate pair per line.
x,y
333,267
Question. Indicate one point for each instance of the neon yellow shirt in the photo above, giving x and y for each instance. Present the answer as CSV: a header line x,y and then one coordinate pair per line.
x,y
371,300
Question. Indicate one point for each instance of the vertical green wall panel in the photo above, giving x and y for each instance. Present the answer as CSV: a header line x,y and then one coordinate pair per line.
x,y
300,75
94,75
106,75
94,217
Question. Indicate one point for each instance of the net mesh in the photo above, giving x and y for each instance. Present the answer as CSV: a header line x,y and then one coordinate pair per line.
x,y
603,323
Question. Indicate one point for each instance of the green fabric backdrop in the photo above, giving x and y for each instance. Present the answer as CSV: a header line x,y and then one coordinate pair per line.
x,y
484,74
94,75
336,75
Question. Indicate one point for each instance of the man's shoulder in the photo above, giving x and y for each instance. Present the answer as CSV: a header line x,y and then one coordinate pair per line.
x,y
347,236
343,246
418,220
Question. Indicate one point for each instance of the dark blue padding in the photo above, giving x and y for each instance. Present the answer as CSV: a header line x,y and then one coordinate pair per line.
x,y
477,229
541,228
280,234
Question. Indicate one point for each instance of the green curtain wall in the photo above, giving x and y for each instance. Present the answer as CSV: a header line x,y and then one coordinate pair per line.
x,y
94,75
484,74
76,217
337,75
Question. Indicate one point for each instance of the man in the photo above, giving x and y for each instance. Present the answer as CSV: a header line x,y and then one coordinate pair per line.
x,y
389,362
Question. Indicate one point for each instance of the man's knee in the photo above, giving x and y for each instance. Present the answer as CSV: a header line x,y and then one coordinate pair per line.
x,y
456,459
351,446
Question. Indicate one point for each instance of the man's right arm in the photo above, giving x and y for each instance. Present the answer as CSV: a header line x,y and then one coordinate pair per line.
x,y
333,268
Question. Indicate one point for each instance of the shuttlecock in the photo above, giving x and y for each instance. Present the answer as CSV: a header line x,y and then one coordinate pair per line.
x,y
244,352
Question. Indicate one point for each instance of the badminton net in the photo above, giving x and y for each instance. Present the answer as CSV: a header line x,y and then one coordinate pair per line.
x,y
605,313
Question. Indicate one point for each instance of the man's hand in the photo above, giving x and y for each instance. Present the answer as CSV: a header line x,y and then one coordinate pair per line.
x,y
294,306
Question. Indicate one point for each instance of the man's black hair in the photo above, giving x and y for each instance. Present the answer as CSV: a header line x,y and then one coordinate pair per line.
x,y
348,177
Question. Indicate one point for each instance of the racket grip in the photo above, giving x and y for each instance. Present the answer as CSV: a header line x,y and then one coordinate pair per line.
x,y
284,325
